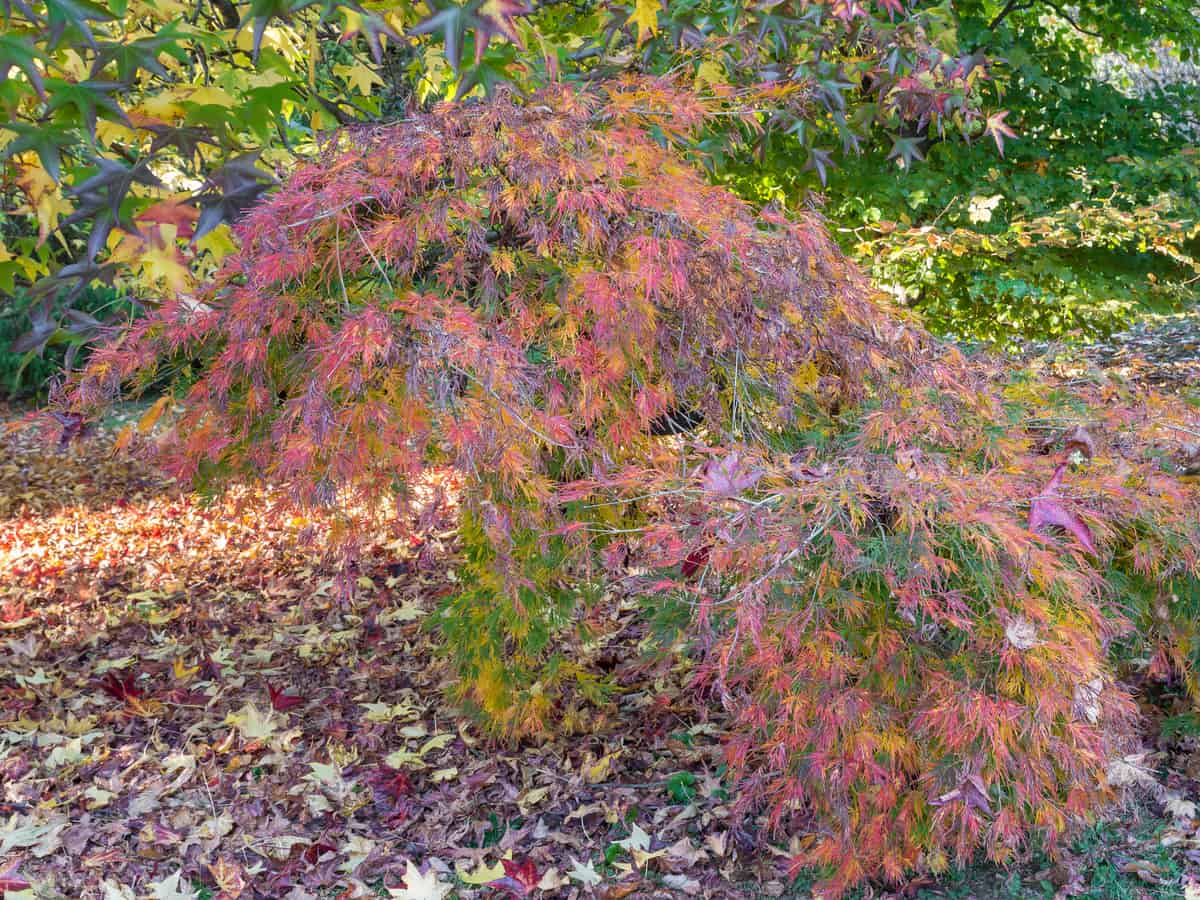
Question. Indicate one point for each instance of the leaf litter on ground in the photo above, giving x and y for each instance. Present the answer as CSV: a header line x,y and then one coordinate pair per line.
x,y
189,710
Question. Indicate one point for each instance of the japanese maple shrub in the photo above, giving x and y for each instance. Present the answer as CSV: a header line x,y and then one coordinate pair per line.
x,y
913,581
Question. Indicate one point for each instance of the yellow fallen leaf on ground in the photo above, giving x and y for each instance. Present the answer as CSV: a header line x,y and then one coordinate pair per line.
x,y
420,887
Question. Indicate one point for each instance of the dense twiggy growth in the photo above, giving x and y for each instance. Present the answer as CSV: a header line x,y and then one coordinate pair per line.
x,y
912,583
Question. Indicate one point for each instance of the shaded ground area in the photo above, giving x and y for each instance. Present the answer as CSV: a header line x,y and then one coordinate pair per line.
x,y
188,710
1163,351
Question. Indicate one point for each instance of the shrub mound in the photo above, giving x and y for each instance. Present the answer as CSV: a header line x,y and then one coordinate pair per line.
x,y
914,581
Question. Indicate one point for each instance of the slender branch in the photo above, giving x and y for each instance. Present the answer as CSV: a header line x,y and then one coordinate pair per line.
x,y
508,409
1074,23
1009,8
1180,428
1013,6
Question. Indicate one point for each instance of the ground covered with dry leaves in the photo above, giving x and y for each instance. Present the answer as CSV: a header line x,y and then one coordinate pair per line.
x,y
189,709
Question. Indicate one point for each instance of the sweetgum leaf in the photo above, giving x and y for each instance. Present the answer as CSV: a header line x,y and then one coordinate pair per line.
x,y
1047,509
21,53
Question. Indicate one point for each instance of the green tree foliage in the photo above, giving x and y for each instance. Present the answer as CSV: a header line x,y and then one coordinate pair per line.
x,y
35,348
1091,215
136,131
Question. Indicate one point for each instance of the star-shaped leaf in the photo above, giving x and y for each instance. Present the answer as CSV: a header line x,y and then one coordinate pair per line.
x,y
88,98
73,15
261,12
21,53
141,53
906,149
46,140
998,130
418,886
234,188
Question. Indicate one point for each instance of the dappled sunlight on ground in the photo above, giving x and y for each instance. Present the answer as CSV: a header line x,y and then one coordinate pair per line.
x,y
188,690
193,705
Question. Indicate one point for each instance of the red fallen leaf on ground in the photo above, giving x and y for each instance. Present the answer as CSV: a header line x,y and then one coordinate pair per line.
x,y
519,879
280,701
122,688
392,782
399,814
313,852
210,669
11,881
695,560
1047,509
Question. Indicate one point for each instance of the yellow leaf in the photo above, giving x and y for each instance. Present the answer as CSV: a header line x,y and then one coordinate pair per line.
x,y
710,73
322,121
645,16
218,243
164,106
207,95
45,198
600,769
354,21
158,261
49,208
110,133
182,671
484,874
360,76
153,414
283,39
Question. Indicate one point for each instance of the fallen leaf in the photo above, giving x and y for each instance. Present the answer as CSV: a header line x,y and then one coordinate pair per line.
x,y
585,874
418,886
280,701
172,888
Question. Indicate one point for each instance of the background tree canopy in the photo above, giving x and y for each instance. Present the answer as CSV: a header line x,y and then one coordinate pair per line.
x,y
966,151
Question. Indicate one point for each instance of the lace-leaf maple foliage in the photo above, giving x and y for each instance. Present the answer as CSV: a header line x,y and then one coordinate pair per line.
x,y
913,580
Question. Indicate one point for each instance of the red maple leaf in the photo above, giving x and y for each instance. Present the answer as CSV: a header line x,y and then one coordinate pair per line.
x,y
392,782
121,688
1047,509
313,852
519,879
280,701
